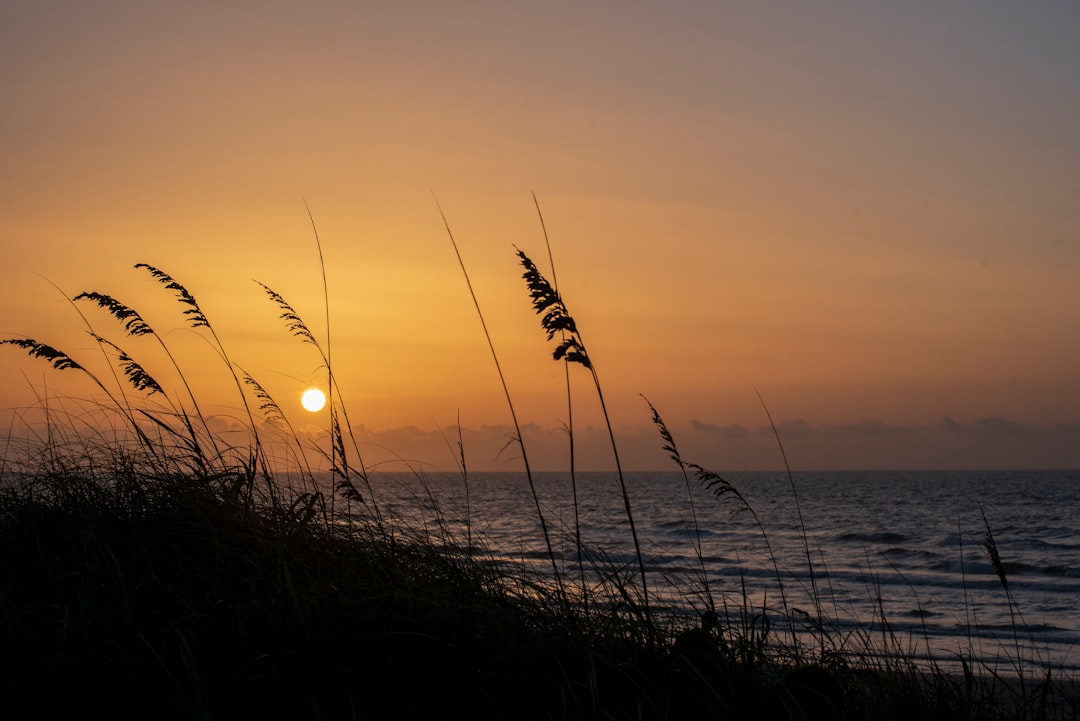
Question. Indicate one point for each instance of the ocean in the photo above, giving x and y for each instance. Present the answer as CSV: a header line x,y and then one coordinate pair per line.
x,y
895,561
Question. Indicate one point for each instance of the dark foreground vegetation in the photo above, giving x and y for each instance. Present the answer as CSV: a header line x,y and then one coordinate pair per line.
x,y
203,597
151,569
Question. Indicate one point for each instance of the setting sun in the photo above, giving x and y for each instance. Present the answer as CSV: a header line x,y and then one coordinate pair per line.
x,y
313,400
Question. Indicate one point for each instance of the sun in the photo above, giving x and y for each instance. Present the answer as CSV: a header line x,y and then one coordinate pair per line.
x,y
313,400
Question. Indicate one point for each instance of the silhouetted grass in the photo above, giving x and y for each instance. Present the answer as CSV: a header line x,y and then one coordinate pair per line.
x,y
556,320
518,438
158,571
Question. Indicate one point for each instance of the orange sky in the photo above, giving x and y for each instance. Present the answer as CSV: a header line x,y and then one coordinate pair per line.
x,y
870,212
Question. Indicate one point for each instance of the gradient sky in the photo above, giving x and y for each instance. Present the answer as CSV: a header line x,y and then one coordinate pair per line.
x,y
868,211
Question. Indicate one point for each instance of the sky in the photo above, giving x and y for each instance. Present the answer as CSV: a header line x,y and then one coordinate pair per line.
x,y
864,214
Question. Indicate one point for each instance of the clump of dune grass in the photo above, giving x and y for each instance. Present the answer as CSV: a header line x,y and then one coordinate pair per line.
x,y
61,361
180,598
135,326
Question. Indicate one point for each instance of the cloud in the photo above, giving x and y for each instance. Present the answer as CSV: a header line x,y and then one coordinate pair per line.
x,y
797,428
987,442
995,424
874,429
734,431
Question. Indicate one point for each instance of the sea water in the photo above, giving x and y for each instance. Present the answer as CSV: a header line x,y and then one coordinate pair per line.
x,y
898,560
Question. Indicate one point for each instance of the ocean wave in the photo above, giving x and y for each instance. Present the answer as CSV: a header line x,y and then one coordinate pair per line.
x,y
872,537
896,551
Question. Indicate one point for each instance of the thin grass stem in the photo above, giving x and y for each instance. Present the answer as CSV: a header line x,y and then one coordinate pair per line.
x,y
569,424
513,414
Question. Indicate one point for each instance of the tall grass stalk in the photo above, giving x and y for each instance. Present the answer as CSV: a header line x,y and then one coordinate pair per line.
x,y
1015,617
555,318
465,483
518,438
673,452
339,465
335,391
969,611
722,488
458,455
815,597
273,413
569,424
